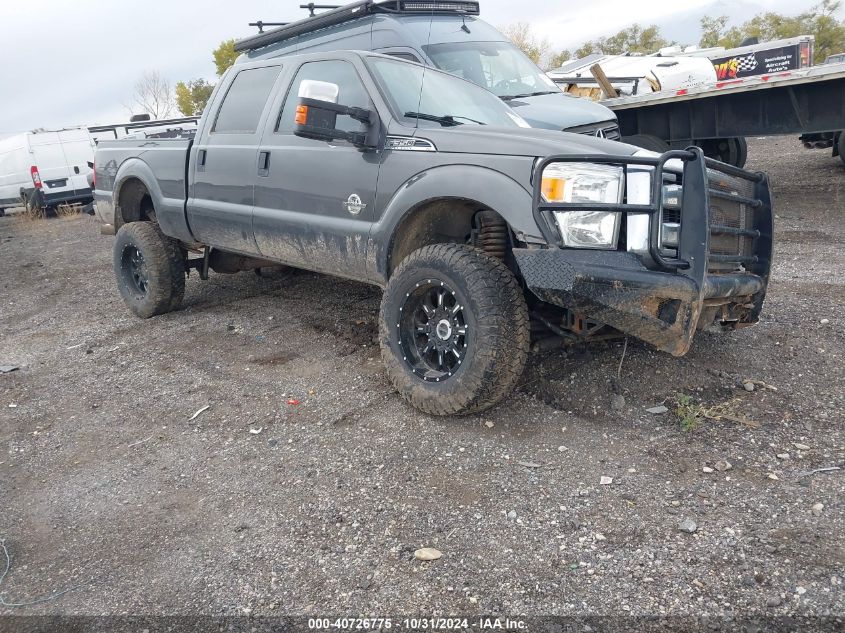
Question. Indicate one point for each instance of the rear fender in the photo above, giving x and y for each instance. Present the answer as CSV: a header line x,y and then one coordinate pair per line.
x,y
170,212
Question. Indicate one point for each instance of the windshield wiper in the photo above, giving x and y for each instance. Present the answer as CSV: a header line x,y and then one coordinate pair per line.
x,y
530,94
446,120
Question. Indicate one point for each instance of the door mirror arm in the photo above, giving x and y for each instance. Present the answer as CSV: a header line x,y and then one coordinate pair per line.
x,y
317,119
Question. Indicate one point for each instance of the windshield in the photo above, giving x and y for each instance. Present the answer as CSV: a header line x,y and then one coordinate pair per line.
x,y
500,67
434,99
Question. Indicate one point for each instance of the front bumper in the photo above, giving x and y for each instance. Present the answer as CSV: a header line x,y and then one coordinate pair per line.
x,y
666,302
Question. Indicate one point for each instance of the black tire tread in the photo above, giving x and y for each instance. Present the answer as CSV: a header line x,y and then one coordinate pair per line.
x,y
841,146
503,324
165,257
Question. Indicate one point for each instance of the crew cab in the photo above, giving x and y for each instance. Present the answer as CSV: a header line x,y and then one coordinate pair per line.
x,y
381,170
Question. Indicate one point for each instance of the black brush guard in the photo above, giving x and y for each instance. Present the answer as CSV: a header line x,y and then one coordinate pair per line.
x,y
666,302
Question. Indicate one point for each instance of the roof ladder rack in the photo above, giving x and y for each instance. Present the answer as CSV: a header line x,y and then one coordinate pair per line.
x,y
340,14
311,6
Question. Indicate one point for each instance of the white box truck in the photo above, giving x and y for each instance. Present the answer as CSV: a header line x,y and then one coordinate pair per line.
x,y
46,168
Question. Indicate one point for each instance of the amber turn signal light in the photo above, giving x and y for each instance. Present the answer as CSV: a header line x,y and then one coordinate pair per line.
x,y
301,115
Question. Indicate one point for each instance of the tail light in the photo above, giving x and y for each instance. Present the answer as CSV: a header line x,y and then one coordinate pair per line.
x,y
36,177
805,54
94,175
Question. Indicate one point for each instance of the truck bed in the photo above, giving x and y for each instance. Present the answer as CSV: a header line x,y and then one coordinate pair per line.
x,y
161,162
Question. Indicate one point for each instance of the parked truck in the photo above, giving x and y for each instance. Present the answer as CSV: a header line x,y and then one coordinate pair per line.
x,y
389,172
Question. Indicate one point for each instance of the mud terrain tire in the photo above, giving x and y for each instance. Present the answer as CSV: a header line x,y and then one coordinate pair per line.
x,y
481,328
149,268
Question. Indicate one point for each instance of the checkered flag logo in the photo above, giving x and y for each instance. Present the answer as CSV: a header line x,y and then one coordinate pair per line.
x,y
746,63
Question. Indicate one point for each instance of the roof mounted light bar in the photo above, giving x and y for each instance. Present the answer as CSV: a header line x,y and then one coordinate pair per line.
x,y
353,11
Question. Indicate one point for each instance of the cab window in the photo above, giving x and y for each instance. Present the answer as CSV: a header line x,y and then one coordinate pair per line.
x,y
241,109
352,93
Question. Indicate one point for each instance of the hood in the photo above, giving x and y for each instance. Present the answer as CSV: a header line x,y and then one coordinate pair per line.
x,y
560,111
502,141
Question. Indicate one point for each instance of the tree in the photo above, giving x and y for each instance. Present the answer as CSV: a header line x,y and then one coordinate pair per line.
x,y
522,35
192,97
829,32
152,95
819,21
587,48
225,56
712,30
559,60
634,39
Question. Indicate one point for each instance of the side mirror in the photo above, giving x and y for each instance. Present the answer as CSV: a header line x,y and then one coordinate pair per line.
x,y
317,112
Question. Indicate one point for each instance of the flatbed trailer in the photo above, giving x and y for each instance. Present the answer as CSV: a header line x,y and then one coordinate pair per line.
x,y
718,117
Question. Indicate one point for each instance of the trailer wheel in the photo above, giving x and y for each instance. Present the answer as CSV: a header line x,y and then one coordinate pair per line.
x,y
454,330
150,269
840,145
733,150
647,141
740,146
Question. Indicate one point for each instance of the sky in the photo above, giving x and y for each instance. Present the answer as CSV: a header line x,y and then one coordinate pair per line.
x,y
65,63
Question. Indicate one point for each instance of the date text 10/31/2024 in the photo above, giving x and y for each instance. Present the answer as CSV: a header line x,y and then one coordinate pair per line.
x,y
417,624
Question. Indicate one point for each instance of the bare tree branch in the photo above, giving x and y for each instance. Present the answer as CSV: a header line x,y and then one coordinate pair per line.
x,y
153,95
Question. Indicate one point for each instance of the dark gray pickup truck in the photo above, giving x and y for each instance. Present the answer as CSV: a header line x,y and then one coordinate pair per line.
x,y
479,229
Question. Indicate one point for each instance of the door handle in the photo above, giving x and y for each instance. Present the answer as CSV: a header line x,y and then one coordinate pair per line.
x,y
263,163
201,160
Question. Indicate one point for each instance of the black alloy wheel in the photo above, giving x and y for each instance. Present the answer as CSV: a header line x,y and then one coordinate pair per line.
x,y
433,331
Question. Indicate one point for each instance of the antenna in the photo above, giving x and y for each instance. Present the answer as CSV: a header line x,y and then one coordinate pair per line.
x,y
311,6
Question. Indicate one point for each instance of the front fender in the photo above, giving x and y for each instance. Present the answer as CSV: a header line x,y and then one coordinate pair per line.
x,y
170,211
487,187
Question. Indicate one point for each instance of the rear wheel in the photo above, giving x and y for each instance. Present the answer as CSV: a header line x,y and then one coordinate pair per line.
x,y
149,268
454,330
32,204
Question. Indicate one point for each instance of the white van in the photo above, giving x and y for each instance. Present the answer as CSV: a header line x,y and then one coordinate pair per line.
x,y
48,167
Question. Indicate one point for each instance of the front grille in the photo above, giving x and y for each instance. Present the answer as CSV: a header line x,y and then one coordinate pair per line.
x,y
606,129
737,216
731,221
732,209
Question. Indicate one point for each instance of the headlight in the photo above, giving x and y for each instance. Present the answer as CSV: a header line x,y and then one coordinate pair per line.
x,y
585,183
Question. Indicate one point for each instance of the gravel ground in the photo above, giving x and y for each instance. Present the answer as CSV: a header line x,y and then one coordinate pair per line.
x,y
307,484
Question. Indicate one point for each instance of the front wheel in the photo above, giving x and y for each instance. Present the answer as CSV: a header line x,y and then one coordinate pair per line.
x,y
150,269
454,330
840,145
